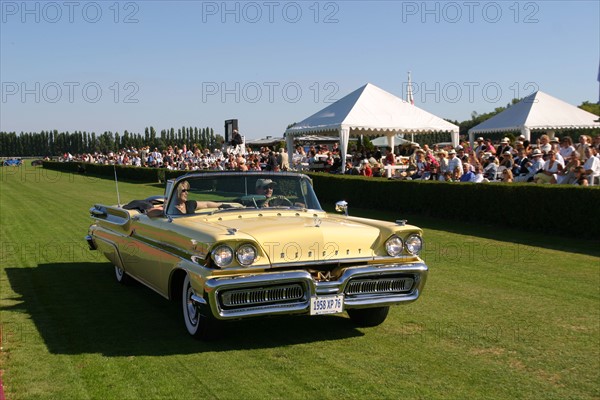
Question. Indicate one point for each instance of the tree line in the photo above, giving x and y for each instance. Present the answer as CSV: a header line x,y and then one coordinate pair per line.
x,y
54,143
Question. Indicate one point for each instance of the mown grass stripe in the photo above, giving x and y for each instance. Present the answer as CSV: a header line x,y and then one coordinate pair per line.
x,y
521,322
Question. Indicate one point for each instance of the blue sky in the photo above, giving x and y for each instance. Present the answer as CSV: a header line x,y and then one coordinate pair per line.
x,y
109,65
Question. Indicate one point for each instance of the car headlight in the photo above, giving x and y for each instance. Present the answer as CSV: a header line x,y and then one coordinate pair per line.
x,y
394,246
414,244
246,254
222,255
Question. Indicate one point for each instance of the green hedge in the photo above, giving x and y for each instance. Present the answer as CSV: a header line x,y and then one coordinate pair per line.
x,y
560,209
124,173
524,206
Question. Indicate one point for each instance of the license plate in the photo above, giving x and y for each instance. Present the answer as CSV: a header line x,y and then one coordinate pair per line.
x,y
327,304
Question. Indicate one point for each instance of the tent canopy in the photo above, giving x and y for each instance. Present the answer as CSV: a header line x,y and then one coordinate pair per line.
x,y
538,111
267,141
370,111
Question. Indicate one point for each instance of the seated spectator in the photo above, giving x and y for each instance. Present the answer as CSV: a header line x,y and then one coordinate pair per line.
x,y
443,163
507,160
478,178
533,166
596,143
592,164
549,170
507,175
453,164
566,147
543,143
520,163
504,147
490,168
526,144
468,175
365,168
567,174
580,177
461,155
580,147
555,147
489,146
480,146
390,159
421,166
351,169
377,172
457,174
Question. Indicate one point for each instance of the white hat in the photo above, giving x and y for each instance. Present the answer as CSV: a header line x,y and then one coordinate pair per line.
x,y
537,152
264,182
452,151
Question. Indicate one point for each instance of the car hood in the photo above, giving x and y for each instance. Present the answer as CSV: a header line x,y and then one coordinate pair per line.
x,y
299,237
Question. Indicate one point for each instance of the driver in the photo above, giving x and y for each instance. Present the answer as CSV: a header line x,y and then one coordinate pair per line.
x,y
265,187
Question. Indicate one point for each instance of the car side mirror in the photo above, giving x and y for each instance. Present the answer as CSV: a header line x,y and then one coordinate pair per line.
x,y
342,206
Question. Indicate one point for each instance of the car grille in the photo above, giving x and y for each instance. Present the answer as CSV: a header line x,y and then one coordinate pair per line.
x,y
249,297
379,285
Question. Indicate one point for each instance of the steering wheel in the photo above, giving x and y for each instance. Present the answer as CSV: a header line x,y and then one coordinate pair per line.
x,y
277,201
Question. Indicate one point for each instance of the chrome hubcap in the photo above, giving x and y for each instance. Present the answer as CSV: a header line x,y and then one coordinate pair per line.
x,y
192,311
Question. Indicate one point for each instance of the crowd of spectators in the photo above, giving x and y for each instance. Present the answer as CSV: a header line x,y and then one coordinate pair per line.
x,y
549,160
193,159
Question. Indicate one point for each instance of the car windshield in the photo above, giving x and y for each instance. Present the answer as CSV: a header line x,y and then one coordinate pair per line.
x,y
212,193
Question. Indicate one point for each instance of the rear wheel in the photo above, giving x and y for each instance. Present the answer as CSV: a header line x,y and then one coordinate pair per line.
x,y
122,276
198,324
368,316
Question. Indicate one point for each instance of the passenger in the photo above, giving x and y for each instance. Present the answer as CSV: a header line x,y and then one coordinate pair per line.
x,y
182,205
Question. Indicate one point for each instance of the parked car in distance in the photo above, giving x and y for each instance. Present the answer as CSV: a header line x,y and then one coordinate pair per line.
x,y
238,245
12,162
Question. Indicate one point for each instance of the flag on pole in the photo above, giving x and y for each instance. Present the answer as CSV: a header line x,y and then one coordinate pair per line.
x,y
409,91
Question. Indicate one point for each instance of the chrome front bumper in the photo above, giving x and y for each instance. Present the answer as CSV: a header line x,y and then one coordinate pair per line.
x,y
290,292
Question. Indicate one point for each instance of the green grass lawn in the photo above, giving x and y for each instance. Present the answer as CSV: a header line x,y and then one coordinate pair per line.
x,y
504,315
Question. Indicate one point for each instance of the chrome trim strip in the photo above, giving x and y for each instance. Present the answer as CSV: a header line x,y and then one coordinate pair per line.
x,y
417,271
100,213
198,300
90,242
167,248
324,262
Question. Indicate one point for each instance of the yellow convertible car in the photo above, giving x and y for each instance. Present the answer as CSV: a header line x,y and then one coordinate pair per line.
x,y
232,245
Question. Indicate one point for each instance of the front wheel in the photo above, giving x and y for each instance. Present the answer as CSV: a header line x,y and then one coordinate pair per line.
x,y
197,324
122,276
368,316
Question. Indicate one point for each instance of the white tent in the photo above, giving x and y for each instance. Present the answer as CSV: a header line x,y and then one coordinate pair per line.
x,y
267,141
538,111
383,141
369,111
